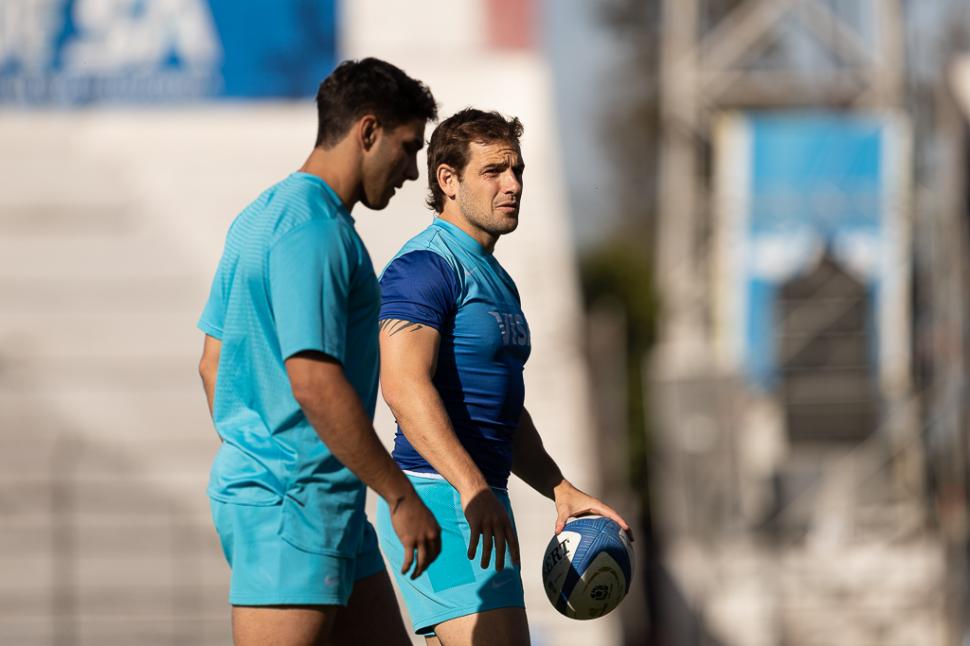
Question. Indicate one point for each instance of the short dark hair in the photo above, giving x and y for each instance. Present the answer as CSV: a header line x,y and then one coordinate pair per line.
x,y
449,144
369,86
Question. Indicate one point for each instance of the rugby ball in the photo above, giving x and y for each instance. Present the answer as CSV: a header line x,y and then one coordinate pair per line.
x,y
587,567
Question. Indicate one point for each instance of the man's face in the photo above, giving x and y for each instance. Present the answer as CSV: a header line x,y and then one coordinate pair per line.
x,y
390,162
490,189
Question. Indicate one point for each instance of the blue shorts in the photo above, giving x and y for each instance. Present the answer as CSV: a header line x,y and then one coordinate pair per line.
x,y
268,571
453,586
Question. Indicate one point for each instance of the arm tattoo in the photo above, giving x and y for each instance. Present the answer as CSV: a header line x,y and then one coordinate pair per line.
x,y
393,326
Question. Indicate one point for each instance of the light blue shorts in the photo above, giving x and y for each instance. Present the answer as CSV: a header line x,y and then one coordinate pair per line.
x,y
453,586
268,571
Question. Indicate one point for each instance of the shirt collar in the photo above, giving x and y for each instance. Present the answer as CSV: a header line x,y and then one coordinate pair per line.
x,y
466,241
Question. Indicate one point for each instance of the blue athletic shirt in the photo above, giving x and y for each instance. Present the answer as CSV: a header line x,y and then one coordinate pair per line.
x,y
294,276
444,279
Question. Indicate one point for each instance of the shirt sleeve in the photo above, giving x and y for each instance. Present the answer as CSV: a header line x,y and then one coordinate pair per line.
x,y
310,274
420,287
214,314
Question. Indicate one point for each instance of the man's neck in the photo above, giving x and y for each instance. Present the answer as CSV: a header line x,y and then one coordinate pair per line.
x,y
484,238
339,168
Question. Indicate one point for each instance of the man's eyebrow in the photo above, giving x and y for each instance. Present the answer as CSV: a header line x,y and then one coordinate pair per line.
x,y
496,165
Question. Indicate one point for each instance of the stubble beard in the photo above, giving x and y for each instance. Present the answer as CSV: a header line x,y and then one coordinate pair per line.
x,y
486,219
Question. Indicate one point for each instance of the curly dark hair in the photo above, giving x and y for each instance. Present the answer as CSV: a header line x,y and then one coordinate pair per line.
x,y
449,144
369,86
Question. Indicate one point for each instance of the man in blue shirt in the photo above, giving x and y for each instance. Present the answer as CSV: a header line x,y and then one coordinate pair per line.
x,y
454,342
290,367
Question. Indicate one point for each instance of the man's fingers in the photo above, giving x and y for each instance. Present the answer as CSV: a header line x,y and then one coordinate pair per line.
x,y
408,558
612,515
561,522
499,552
422,563
619,519
514,547
486,549
608,512
473,543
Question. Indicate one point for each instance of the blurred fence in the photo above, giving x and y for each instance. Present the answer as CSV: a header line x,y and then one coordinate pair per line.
x,y
95,552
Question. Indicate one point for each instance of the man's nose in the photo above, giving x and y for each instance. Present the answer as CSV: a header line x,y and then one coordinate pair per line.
x,y
412,169
511,183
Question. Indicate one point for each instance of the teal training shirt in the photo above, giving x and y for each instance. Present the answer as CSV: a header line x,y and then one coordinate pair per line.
x,y
294,276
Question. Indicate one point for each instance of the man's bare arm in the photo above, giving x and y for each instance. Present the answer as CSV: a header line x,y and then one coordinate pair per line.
x,y
209,368
533,464
335,411
409,354
530,460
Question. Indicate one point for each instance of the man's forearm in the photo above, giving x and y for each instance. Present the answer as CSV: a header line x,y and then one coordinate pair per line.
x,y
422,416
336,413
209,368
531,462
209,384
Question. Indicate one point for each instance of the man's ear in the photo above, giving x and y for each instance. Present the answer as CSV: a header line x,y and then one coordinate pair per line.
x,y
368,130
447,180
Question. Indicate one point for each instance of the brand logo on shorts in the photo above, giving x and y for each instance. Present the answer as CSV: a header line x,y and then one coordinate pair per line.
x,y
330,580
499,583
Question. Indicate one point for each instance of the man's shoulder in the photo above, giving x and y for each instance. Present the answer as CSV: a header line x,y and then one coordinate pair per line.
x,y
286,205
427,247
431,240
296,200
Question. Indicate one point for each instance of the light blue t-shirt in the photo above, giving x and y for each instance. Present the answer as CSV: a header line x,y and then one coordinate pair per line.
x,y
294,276
445,279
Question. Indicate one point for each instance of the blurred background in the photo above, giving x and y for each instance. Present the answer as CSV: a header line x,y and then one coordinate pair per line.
x,y
743,253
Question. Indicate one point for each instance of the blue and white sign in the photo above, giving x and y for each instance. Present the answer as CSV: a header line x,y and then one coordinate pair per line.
x,y
790,187
79,52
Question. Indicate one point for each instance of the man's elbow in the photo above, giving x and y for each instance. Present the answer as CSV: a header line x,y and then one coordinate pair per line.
x,y
391,387
310,387
302,390
207,370
401,387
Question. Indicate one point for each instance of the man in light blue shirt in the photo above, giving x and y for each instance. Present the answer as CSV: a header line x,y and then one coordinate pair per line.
x,y
290,368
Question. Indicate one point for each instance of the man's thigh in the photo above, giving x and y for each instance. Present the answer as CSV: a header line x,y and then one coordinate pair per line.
x,y
283,625
453,586
507,626
269,572
372,616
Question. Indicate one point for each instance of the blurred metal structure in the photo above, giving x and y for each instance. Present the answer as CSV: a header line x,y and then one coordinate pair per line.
x,y
948,441
769,539
705,69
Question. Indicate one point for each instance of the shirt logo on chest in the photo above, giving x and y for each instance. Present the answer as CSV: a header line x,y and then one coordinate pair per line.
x,y
513,328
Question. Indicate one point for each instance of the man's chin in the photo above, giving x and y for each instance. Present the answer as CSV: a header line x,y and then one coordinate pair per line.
x,y
511,223
378,205
506,225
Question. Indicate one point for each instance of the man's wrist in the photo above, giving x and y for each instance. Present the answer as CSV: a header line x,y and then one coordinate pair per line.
x,y
395,488
563,487
471,484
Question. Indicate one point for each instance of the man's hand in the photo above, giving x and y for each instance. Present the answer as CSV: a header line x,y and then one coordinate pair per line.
x,y
571,503
488,519
418,532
